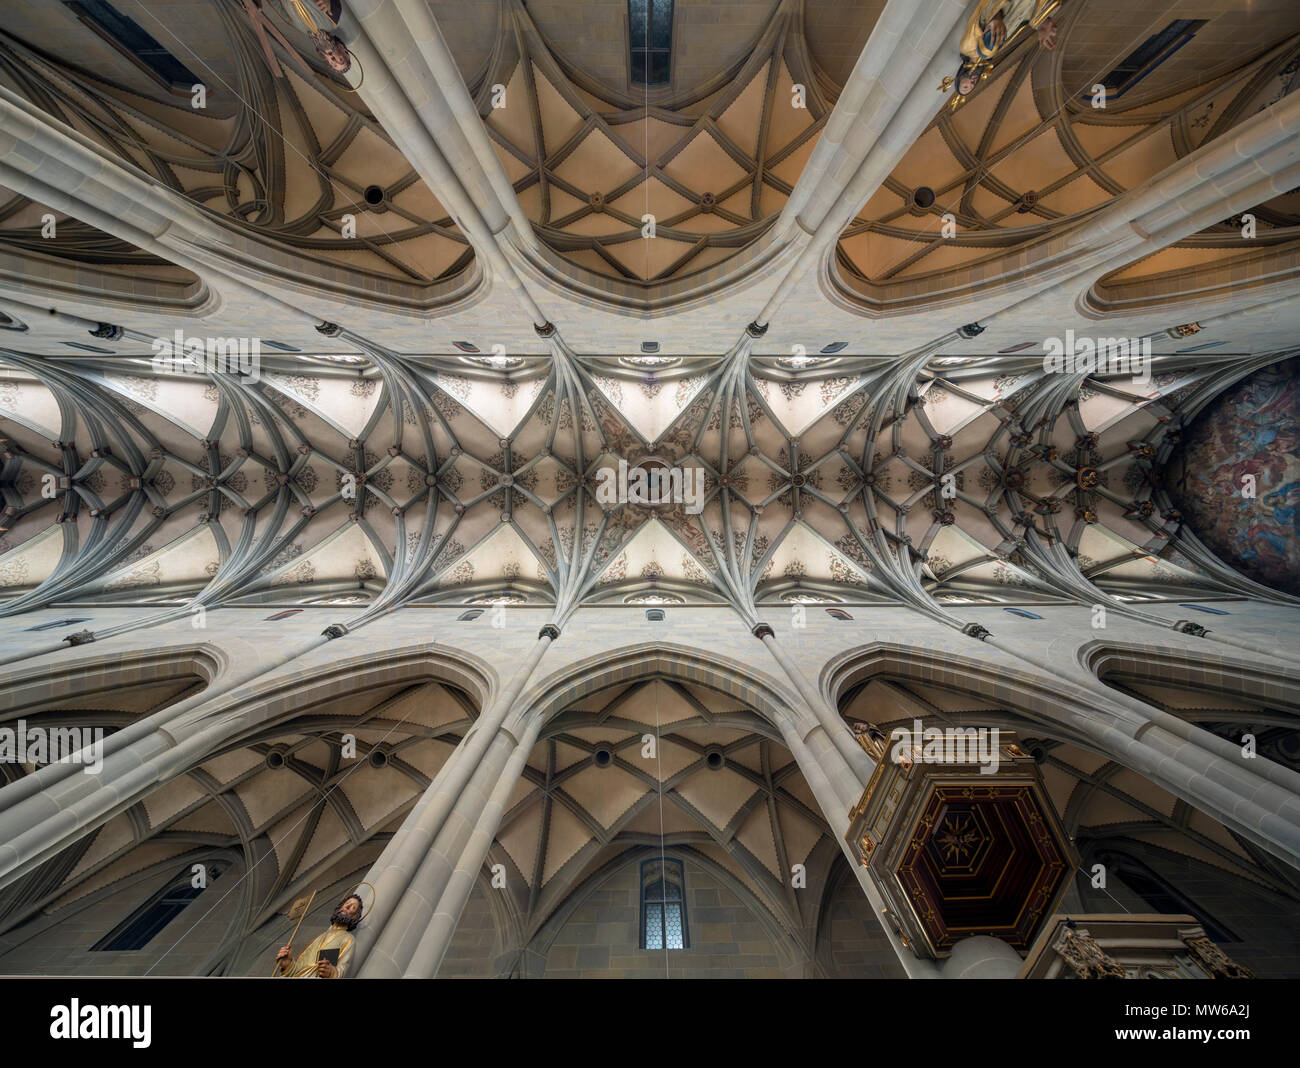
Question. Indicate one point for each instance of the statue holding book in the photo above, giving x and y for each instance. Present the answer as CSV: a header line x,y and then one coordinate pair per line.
x,y
996,27
328,955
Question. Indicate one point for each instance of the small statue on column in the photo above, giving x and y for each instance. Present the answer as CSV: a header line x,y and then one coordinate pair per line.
x,y
329,955
994,28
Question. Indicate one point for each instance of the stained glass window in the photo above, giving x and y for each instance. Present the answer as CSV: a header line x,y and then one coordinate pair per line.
x,y
130,38
650,37
663,905
139,929
1149,55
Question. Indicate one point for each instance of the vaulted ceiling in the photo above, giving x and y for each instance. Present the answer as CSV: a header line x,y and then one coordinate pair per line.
x,y
717,783
292,804
382,482
799,329
1029,155
372,468
320,185
713,163
289,158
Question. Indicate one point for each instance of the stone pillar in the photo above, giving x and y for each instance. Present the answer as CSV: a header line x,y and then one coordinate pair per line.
x,y
416,92
887,103
831,778
836,730
1250,164
1184,626
68,172
408,883
427,958
1259,799
981,957
394,944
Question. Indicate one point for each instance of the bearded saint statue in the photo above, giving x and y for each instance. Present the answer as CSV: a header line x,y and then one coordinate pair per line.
x,y
328,955
996,23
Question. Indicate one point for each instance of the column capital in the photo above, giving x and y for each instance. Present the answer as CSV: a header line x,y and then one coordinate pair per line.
x,y
977,630
335,630
763,630
549,631
1186,626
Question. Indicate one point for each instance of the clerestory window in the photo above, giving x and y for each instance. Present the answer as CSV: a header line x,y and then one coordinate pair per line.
x,y
136,43
663,905
1149,55
139,929
650,41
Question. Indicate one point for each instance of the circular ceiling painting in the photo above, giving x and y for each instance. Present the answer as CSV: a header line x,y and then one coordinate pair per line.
x,y
1246,439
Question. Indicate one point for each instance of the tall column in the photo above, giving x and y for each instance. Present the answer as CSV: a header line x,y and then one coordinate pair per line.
x,y
1257,160
835,730
428,955
1184,626
412,86
831,779
407,882
412,913
886,105
1259,798
54,165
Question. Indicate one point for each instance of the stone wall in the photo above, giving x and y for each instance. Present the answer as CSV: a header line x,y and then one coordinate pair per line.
x,y
472,952
1266,925
601,939
851,944
60,943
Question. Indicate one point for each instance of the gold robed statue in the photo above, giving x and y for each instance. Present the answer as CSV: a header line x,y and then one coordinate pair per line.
x,y
328,955
997,26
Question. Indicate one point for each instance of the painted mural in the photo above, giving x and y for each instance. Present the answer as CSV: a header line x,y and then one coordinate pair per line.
x,y
1252,429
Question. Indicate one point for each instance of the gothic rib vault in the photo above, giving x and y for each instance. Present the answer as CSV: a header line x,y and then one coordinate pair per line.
x,y
381,480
